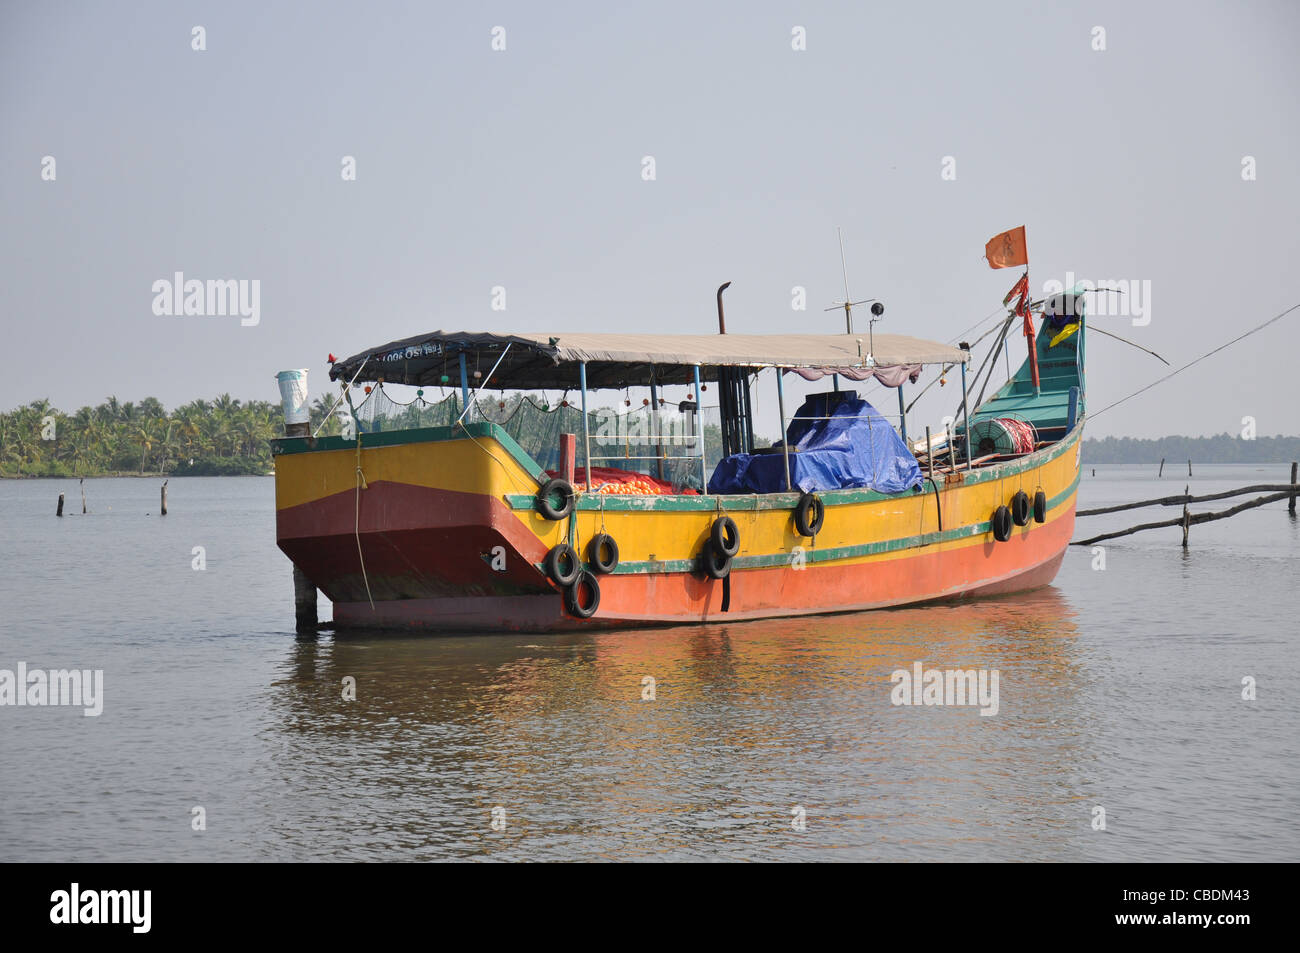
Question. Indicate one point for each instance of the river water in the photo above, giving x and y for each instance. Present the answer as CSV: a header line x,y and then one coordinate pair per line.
x,y
1120,689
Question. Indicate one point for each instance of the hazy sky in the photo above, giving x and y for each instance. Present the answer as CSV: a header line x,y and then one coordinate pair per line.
x,y
523,169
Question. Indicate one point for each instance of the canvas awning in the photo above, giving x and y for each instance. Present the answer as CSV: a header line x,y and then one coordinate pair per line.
x,y
539,360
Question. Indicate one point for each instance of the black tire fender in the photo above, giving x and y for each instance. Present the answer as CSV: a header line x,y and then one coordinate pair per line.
x,y
809,515
562,565
1040,507
546,499
1020,508
725,536
1001,524
717,565
573,595
596,553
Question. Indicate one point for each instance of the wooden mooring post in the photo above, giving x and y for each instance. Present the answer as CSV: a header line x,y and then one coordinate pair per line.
x,y
1274,491
83,496
304,602
163,505
1162,468
59,511
1187,514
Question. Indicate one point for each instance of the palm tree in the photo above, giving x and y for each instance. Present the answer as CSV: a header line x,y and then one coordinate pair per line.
x,y
145,439
152,407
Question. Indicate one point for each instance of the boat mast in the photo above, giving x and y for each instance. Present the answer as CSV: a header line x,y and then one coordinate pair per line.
x,y
877,309
877,313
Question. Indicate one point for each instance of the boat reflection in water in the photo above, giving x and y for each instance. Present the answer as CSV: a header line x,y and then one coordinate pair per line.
x,y
748,723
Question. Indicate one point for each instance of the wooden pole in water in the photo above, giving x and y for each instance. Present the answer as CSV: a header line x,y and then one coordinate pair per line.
x,y
59,511
83,495
1187,516
1189,467
304,601
1290,507
163,510
304,592
1162,468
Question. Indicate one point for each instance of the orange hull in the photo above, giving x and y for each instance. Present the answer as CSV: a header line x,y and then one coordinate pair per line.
x,y
1029,560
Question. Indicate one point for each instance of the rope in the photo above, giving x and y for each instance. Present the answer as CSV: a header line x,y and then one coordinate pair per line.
x,y
1221,347
949,367
494,456
361,478
992,314
340,399
477,393
1022,434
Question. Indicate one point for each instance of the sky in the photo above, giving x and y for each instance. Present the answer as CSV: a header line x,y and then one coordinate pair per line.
x,y
1153,143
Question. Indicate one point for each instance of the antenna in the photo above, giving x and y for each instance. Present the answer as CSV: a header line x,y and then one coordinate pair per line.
x,y
847,304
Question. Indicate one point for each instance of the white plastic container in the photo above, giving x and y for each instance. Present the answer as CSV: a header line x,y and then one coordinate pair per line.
x,y
293,396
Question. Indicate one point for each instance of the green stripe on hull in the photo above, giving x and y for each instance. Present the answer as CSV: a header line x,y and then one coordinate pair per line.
x,y
768,560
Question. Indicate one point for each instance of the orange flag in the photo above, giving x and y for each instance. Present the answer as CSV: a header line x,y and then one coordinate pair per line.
x,y
1007,249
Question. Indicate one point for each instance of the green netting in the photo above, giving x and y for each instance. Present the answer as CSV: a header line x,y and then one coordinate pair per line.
x,y
625,438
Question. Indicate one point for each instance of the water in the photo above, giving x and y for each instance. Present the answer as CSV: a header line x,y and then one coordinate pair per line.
x,y
1118,688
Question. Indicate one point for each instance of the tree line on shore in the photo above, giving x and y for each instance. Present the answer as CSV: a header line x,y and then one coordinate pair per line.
x,y
204,437
1220,448
227,436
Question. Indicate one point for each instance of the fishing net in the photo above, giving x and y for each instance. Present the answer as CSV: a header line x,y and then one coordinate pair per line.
x,y
665,445
1005,436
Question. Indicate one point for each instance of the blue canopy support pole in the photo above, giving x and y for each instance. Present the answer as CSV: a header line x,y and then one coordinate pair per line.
x,y
464,384
586,430
699,430
902,414
965,406
835,382
785,438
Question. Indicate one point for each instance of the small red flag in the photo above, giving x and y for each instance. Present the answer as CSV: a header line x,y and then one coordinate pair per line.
x,y
1021,287
1008,249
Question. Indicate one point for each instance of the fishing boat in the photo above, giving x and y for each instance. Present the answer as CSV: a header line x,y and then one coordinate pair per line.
x,y
460,528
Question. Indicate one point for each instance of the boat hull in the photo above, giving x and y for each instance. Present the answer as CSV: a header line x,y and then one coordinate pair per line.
x,y
438,531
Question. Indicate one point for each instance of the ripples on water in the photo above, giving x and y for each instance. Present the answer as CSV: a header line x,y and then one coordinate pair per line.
x,y
1118,688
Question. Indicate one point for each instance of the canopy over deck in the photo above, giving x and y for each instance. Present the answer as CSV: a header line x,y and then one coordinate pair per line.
x,y
537,361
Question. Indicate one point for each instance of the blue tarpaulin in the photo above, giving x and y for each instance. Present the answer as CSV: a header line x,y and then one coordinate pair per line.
x,y
855,447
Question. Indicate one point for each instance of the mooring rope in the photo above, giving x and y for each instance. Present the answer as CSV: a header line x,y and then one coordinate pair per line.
x,y
344,393
361,478
1240,337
